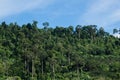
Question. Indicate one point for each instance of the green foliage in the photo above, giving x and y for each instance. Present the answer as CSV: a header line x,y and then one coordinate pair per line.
x,y
14,78
62,53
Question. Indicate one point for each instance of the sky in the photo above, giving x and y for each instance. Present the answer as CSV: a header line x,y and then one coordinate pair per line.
x,y
103,13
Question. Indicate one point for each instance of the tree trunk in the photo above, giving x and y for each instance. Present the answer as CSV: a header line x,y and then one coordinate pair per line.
x,y
53,72
33,69
78,72
69,58
25,66
42,68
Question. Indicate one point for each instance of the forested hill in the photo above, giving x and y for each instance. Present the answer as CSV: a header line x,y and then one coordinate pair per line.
x,y
62,53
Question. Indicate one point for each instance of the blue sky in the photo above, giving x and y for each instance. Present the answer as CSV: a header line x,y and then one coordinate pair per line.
x,y
104,13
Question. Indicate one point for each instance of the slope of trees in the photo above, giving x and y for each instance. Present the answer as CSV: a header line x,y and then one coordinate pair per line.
x,y
61,53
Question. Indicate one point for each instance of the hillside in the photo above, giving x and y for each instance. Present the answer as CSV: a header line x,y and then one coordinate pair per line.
x,y
61,53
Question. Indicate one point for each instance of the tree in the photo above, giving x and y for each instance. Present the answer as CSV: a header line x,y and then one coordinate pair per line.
x,y
45,24
78,30
35,24
101,31
115,31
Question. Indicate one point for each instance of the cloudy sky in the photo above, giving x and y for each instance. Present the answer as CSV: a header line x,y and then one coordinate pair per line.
x,y
105,13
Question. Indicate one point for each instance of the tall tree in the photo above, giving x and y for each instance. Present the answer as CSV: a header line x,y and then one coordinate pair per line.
x,y
45,24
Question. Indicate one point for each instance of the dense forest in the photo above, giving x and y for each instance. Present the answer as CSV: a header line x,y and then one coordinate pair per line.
x,y
61,53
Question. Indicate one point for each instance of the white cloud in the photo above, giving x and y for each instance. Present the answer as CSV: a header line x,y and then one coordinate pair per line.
x,y
10,7
102,12
116,35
